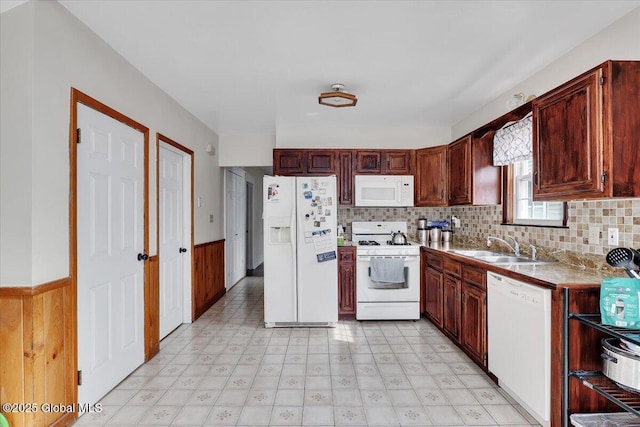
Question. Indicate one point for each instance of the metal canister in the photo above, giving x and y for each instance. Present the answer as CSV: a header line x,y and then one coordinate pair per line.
x,y
434,234
423,235
422,223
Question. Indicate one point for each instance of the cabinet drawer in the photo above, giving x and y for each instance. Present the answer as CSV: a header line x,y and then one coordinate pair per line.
x,y
434,261
346,254
475,276
452,268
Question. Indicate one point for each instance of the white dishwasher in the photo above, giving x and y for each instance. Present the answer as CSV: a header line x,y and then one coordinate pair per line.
x,y
519,335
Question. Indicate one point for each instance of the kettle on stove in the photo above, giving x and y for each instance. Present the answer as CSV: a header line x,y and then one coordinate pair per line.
x,y
398,238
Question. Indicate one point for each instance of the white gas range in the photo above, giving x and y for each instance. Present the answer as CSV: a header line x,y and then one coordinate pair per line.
x,y
387,275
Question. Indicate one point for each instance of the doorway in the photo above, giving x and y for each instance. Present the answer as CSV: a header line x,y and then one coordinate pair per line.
x,y
235,228
108,244
175,219
249,227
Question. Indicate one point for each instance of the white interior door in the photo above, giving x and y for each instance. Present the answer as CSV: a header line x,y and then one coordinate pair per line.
x,y
235,220
110,229
172,240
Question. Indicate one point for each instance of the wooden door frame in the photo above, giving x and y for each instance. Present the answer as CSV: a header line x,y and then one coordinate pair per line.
x,y
82,98
162,138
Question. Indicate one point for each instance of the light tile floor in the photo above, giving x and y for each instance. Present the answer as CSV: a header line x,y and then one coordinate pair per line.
x,y
226,369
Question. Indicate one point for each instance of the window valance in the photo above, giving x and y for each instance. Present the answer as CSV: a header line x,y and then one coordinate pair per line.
x,y
513,142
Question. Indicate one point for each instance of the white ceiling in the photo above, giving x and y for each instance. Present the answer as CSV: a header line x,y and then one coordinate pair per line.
x,y
255,66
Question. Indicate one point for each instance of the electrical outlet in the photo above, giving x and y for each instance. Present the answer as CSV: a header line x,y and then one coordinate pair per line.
x,y
594,235
211,218
612,237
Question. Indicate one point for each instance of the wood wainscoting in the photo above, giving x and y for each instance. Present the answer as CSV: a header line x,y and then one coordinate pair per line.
x,y
208,281
152,308
36,352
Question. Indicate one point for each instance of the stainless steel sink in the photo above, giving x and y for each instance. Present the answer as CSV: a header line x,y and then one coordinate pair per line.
x,y
476,253
507,259
492,257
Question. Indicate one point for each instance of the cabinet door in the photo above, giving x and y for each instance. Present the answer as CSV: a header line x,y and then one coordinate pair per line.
x,y
321,162
431,176
451,309
433,295
398,162
567,141
288,162
346,280
459,172
345,177
474,315
368,162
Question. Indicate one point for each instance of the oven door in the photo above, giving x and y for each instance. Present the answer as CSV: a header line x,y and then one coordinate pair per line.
x,y
370,291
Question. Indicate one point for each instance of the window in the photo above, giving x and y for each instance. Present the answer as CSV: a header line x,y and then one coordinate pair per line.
x,y
522,209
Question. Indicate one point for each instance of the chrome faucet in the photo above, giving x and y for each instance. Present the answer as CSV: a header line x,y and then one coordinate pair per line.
x,y
515,248
534,252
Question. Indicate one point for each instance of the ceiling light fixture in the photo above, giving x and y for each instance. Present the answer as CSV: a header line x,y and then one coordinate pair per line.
x,y
338,97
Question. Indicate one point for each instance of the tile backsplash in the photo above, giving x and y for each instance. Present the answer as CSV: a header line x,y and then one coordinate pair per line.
x,y
477,222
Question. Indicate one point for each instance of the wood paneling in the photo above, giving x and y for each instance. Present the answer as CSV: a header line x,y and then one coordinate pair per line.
x,y
208,280
152,308
37,357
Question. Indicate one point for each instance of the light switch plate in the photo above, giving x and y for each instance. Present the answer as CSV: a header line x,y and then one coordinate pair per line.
x,y
594,235
612,237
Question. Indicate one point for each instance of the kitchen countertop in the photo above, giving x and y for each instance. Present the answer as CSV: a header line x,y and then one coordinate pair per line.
x,y
551,275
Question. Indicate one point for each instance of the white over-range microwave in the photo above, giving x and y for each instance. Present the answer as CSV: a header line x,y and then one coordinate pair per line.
x,y
384,190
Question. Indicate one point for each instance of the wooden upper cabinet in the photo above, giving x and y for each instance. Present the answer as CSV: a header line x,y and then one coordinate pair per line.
x,y
321,162
304,162
386,162
398,162
459,171
345,177
431,176
368,162
586,135
472,178
288,162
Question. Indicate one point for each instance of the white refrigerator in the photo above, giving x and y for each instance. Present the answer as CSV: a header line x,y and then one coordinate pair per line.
x,y
300,252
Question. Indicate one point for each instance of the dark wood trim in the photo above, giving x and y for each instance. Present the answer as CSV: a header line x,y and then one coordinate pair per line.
x,y
213,242
17,291
208,280
152,310
76,97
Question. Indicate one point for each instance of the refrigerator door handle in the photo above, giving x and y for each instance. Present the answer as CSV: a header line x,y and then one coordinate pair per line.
x,y
293,230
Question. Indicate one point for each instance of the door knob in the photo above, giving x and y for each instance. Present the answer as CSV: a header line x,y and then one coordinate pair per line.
x,y
183,250
143,257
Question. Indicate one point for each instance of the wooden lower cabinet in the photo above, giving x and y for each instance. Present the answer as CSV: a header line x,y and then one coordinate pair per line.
x,y
455,300
474,323
433,295
346,282
451,307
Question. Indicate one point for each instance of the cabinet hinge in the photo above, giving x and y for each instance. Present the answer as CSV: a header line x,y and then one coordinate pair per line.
x,y
484,357
79,377
603,178
78,136
601,80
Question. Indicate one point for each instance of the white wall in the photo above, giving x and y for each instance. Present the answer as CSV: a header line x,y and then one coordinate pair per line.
x,y
16,93
67,54
621,41
356,137
247,150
